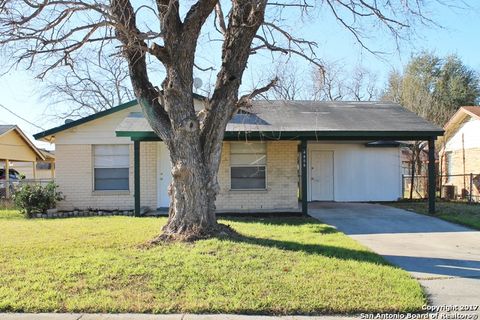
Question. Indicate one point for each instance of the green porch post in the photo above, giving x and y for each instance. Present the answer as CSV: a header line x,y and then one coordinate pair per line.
x,y
304,158
136,176
431,176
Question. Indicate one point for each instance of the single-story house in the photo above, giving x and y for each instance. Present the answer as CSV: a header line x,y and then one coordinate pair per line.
x,y
272,153
460,153
15,147
42,170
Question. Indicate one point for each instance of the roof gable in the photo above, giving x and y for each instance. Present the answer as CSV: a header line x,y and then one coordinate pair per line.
x,y
6,129
95,116
462,115
98,115
473,111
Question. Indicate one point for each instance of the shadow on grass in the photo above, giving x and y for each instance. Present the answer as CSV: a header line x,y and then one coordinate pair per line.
x,y
313,225
292,220
312,249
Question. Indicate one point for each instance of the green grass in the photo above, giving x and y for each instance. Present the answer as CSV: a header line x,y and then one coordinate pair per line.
x,y
277,266
9,214
457,212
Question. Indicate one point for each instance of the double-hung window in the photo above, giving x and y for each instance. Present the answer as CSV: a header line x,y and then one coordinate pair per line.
x,y
111,167
248,165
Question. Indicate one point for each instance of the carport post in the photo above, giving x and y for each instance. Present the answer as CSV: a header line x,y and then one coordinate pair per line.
x,y
136,176
7,179
303,154
431,176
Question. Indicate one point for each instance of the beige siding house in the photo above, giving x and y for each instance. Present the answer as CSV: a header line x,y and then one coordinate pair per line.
x,y
43,170
274,154
460,155
15,147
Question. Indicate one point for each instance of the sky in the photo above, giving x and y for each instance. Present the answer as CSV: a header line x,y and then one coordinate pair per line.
x,y
459,34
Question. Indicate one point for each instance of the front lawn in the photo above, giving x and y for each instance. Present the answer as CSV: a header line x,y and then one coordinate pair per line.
x,y
278,266
457,212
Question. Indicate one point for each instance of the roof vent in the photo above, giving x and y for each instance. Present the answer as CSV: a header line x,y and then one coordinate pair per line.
x,y
68,121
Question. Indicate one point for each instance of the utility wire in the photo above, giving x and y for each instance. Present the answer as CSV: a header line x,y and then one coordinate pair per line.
x,y
16,115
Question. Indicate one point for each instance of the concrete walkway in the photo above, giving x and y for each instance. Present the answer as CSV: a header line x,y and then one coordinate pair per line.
x,y
444,257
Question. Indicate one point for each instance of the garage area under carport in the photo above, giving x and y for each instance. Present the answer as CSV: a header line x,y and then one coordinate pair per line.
x,y
371,126
347,171
15,147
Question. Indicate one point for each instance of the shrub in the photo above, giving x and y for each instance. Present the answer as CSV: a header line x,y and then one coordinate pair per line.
x,y
31,199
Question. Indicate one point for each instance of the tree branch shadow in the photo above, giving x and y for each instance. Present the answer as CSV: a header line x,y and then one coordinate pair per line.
x,y
311,249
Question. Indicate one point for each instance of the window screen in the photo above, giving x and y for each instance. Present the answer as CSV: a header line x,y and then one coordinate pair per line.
x,y
248,165
111,167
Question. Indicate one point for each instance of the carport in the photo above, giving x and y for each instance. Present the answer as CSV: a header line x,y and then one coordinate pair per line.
x,y
373,125
16,147
375,137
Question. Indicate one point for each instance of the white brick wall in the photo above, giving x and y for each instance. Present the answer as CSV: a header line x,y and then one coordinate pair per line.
x,y
74,171
74,175
282,181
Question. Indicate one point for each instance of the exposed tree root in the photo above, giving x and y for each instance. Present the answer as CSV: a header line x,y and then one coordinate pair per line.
x,y
191,235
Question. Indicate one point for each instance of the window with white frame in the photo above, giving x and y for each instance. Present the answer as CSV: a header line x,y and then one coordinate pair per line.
x,y
111,167
248,165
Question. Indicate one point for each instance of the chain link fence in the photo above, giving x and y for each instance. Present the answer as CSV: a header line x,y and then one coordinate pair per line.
x,y
465,187
7,188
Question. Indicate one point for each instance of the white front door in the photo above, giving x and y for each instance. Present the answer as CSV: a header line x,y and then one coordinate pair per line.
x,y
164,175
321,175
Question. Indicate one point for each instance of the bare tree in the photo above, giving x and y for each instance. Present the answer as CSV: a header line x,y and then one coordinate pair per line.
x,y
330,82
363,85
290,84
49,34
93,85
334,82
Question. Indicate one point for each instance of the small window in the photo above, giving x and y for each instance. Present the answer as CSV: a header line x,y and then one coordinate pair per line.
x,y
42,165
248,165
111,167
406,168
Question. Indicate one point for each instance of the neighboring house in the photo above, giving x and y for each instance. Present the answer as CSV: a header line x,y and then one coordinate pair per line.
x,y
420,189
44,169
331,151
406,158
460,153
15,147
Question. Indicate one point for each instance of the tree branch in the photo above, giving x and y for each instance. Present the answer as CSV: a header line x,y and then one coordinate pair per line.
x,y
246,100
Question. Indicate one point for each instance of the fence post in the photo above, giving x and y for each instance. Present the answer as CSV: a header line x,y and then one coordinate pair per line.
x,y
403,186
431,176
7,179
440,177
471,188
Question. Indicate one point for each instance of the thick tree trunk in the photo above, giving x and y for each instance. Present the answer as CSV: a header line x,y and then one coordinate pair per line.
x,y
194,185
192,196
192,192
195,144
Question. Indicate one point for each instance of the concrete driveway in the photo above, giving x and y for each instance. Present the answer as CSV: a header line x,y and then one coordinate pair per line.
x,y
444,257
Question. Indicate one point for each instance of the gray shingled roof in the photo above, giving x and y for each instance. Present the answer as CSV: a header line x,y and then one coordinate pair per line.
x,y
314,116
333,116
5,127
